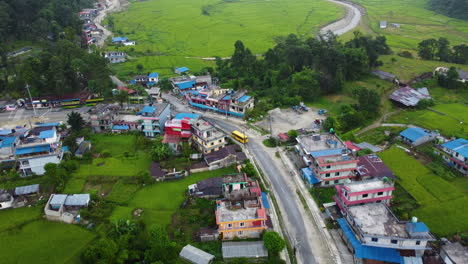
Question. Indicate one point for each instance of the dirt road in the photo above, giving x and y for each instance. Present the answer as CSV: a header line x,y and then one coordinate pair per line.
x,y
112,6
348,22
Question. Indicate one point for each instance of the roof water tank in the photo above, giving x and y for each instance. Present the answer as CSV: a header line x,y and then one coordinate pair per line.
x,y
414,219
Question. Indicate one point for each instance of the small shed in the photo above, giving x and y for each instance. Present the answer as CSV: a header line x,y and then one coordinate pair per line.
x,y
383,24
27,190
251,249
195,255
180,70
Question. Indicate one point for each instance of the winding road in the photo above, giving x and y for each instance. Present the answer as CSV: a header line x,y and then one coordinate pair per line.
x,y
348,22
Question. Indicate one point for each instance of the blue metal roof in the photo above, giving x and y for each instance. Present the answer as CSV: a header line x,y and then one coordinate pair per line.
x,y
327,152
413,133
418,227
118,127
182,69
153,75
227,97
150,83
266,204
368,252
7,142
148,109
244,98
132,82
119,39
49,124
309,175
5,132
459,145
186,85
35,149
186,115
47,134
215,109
65,149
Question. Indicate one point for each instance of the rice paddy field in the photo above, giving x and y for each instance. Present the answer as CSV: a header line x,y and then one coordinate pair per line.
x,y
168,31
442,203
416,23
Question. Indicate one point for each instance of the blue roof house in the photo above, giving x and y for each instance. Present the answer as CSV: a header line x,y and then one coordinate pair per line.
x,y
456,154
180,70
416,136
153,77
7,146
119,39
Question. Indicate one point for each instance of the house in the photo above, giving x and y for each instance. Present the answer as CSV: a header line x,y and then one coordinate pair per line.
x,y
156,172
329,160
366,145
140,79
153,77
206,137
129,43
371,232
82,148
180,70
454,253
408,96
385,76
225,157
462,75
126,89
208,188
224,101
455,153
27,190
207,234
154,118
195,255
154,93
7,147
250,249
383,24
102,116
416,136
283,137
125,123
363,192
116,56
6,199
65,207
395,25
372,167
119,39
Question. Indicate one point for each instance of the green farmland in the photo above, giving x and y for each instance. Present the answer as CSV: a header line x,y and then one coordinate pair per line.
x,y
417,23
442,203
170,31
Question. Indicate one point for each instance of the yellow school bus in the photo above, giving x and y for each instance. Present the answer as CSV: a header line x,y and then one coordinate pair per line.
x,y
239,137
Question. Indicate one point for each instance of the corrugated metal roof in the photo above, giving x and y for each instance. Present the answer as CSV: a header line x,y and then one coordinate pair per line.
x,y
77,199
413,133
49,124
47,134
408,96
309,175
417,227
180,116
7,142
459,145
244,98
120,127
365,145
186,85
35,149
182,69
254,249
195,255
265,202
153,75
412,260
58,199
148,109
28,189
326,152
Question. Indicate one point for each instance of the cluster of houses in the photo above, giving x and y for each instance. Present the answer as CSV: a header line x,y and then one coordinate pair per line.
x,y
19,197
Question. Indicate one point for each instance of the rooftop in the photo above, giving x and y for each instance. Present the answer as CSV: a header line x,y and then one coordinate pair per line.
x,y
361,186
251,249
373,166
456,252
234,178
7,142
186,116
408,96
155,110
324,144
228,211
414,133
195,255
28,189
459,145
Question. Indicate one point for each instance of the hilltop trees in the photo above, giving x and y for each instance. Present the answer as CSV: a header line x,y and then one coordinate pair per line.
x,y
451,8
433,49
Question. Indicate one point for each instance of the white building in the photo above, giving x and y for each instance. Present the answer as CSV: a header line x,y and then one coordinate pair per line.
x,y
65,207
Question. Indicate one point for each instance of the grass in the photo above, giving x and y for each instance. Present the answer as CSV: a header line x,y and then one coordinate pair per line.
x,y
323,195
377,135
441,202
449,125
13,218
171,31
122,192
417,23
43,242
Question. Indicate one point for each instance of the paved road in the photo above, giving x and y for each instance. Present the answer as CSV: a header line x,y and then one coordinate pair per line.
x,y
347,23
22,117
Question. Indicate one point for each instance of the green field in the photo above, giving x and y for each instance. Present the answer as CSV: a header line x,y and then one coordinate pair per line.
x,y
442,203
166,31
43,242
417,22
13,218
454,123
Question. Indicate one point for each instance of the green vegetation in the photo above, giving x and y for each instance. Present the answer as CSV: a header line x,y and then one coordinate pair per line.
x,y
165,34
377,135
452,8
451,124
10,219
417,23
43,242
323,195
435,195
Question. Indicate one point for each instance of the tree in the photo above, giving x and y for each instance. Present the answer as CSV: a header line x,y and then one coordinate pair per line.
x,y
186,150
55,176
329,123
443,50
369,100
274,243
427,48
76,122
121,97
292,134
159,247
306,84
102,252
70,142
160,151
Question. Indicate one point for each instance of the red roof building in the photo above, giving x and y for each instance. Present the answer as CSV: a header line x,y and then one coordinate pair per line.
x,y
128,90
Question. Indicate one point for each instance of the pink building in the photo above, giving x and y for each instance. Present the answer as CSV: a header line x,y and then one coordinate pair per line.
x,y
363,192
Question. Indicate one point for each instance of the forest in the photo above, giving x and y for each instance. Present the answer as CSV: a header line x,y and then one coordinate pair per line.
x,y
451,8
59,63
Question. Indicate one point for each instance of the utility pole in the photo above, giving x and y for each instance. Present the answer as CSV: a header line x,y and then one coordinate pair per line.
x,y
30,98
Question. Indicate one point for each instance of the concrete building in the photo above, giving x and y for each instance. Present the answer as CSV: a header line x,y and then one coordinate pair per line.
x,y
455,153
154,118
223,101
65,207
102,116
373,167
115,56
454,253
329,160
206,137
416,136
363,192
6,199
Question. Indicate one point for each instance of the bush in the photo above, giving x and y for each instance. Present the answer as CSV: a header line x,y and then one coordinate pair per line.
x,y
274,243
364,152
405,54
106,154
270,142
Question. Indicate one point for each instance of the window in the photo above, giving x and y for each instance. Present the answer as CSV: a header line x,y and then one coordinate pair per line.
x,y
379,193
241,224
394,241
328,166
374,239
229,225
219,141
418,243
240,233
365,195
337,173
327,175
212,143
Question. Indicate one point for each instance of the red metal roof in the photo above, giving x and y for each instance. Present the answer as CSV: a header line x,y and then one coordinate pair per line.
x,y
351,146
129,91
